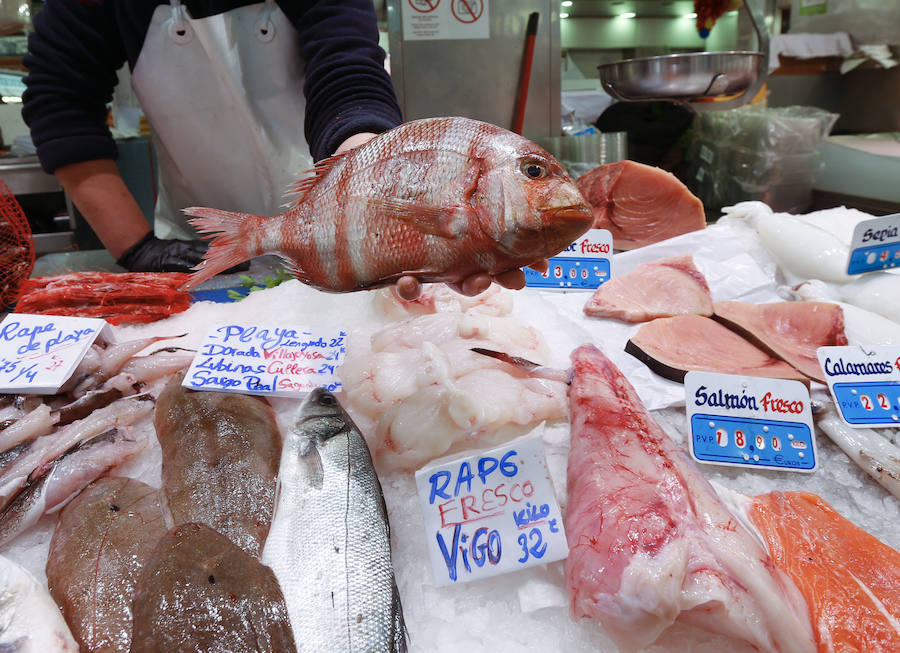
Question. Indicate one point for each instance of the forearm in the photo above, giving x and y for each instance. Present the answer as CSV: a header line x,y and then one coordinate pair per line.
x,y
97,189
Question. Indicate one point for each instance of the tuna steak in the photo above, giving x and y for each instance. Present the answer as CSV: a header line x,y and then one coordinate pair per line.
x,y
100,545
220,456
440,199
671,346
199,592
792,331
850,579
672,286
640,204
650,541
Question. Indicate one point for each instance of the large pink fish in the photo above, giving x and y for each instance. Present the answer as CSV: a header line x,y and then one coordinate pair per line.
x,y
439,199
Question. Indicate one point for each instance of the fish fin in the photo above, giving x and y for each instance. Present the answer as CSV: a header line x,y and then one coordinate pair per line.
x,y
444,222
230,244
298,272
299,189
309,457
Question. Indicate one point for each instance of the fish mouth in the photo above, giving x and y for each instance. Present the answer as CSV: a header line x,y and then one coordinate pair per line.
x,y
573,212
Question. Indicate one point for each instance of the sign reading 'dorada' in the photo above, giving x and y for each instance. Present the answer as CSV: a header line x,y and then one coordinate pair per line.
x,y
750,421
490,513
583,265
38,353
875,245
267,360
865,383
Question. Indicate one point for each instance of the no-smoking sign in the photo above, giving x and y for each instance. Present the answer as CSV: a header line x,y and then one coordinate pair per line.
x,y
424,6
467,11
445,19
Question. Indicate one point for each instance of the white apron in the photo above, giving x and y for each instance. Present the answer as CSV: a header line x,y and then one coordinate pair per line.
x,y
224,99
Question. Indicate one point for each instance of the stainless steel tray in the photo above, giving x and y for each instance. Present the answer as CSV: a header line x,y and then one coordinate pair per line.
x,y
705,81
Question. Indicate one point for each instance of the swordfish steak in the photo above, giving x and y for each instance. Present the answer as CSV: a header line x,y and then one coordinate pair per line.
x,y
640,204
650,541
792,331
672,286
672,346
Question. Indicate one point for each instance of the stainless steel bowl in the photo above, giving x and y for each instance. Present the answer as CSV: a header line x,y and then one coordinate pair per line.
x,y
731,78
681,76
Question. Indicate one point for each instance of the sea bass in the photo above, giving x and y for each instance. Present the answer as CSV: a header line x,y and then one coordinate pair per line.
x,y
439,199
329,545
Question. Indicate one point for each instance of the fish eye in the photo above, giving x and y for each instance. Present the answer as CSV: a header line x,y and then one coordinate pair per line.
x,y
327,400
533,169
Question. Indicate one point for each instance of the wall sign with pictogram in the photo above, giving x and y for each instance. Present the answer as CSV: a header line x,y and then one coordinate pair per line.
x,y
445,19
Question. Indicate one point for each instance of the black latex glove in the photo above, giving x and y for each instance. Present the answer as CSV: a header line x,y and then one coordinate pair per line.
x,y
152,254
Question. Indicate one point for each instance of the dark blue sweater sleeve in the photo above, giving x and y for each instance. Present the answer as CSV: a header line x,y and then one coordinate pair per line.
x,y
73,55
347,88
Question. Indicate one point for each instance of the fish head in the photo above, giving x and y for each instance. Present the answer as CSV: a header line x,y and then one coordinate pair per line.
x,y
526,201
322,417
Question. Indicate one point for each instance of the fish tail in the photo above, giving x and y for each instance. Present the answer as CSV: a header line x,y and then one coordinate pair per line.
x,y
235,238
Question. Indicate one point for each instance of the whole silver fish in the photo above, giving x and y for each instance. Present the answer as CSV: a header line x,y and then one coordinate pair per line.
x,y
329,544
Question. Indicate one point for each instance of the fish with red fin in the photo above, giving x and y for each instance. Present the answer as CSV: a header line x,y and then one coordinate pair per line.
x,y
439,199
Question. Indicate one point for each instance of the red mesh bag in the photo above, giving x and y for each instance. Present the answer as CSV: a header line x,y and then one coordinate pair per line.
x,y
16,247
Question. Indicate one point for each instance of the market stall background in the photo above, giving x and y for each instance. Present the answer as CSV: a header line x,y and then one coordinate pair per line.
x,y
528,609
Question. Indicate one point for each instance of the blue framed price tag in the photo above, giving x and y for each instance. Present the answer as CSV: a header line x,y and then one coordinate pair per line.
x,y
875,245
865,383
583,265
750,422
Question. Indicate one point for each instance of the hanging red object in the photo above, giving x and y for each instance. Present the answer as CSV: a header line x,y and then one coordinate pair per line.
x,y
530,36
16,247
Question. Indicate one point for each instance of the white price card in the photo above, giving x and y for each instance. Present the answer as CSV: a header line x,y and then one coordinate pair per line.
x,y
586,264
38,353
865,383
875,245
750,421
490,513
268,360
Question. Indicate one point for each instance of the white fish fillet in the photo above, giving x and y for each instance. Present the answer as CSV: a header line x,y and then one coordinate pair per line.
x,y
33,425
420,392
872,452
30,622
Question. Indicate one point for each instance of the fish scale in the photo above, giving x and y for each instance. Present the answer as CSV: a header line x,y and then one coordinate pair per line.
x,y
329,544
439,199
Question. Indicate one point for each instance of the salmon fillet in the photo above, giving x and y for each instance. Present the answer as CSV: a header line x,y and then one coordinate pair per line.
x,y
640,204
850,579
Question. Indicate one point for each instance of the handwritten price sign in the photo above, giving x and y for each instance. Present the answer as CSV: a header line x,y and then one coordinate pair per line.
x,y
490,513
38,353
276,361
